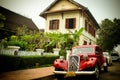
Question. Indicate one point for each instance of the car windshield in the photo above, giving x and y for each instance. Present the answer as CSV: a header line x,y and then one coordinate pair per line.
x,y
105,54
114,54
82,50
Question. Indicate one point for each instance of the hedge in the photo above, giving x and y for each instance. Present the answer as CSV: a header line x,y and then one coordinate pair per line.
x,y
9,63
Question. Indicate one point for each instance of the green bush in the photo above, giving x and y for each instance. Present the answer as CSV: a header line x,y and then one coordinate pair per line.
x,y
63,53
8,63
23,45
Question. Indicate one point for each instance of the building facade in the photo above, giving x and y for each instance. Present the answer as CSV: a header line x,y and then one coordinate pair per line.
x,y
69,16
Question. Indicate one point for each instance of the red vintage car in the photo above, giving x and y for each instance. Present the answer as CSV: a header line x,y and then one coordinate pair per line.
x,y
83,60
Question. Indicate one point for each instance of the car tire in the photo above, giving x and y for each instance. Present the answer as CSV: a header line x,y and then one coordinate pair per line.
x,y
58,76
105,68
96,75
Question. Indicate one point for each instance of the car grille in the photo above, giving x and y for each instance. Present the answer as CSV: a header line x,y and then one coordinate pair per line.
x,y
73,63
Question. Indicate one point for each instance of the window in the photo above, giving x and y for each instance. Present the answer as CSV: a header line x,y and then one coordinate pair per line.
x,y
97,50
70,23
54,24
89,28
85,43
90,43
86,25
83,50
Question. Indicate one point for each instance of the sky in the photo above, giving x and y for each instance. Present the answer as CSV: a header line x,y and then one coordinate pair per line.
x,y
100,9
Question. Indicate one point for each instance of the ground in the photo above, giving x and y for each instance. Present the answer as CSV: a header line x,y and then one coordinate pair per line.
x,y
37,73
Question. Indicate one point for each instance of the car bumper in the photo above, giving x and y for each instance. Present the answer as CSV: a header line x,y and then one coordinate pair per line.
x,y
77,73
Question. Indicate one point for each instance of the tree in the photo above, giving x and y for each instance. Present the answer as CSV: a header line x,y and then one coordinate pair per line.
x,y
108,34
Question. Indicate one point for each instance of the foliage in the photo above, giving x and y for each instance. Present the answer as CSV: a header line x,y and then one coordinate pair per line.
x,y
34,40
76,36
3,43
63,41
54,39
63,52
27,40
23,45
40,40
21,30
109,34
9,63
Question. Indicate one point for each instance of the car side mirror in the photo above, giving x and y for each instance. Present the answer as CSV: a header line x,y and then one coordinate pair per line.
x,y
97,52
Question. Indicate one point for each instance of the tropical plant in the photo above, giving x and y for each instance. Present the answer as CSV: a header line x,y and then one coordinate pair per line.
x,y
40,40
109,29
53,39
63,41
76,36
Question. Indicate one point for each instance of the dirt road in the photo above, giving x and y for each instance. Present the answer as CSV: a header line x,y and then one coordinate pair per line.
x,y
34,74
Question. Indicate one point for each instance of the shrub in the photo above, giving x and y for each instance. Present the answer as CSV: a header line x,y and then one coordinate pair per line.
x,y
63,53
9,63
23,45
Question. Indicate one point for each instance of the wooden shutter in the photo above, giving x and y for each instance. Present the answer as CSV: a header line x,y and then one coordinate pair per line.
x,y
67,24
57,24
94,32
74,23
86,25
89,28
50,24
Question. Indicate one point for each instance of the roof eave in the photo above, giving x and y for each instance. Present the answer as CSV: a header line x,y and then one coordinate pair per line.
x,y
74,2
93,19
52,4
48,12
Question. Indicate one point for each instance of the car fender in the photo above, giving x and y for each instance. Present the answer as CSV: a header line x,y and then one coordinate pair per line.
x,y
91,62
61,64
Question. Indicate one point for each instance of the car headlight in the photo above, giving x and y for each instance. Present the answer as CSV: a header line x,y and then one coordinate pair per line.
x,y
85,56
61,58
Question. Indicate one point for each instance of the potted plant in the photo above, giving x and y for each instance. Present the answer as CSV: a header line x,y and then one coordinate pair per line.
x,y
14,49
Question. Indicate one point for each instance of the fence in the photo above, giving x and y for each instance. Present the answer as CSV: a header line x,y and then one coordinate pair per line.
x,y
23,53
14,50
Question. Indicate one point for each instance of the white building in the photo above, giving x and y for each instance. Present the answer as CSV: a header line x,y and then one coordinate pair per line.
x,y
68,15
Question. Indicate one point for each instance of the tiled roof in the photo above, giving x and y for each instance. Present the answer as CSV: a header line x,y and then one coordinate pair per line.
x,y
14,20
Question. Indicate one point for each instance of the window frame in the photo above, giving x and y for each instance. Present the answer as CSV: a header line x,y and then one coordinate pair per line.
x,y
54,24
90,29
68,24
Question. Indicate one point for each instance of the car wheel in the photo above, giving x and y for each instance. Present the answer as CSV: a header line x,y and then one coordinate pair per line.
x,y
105,68
58,76
96,75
